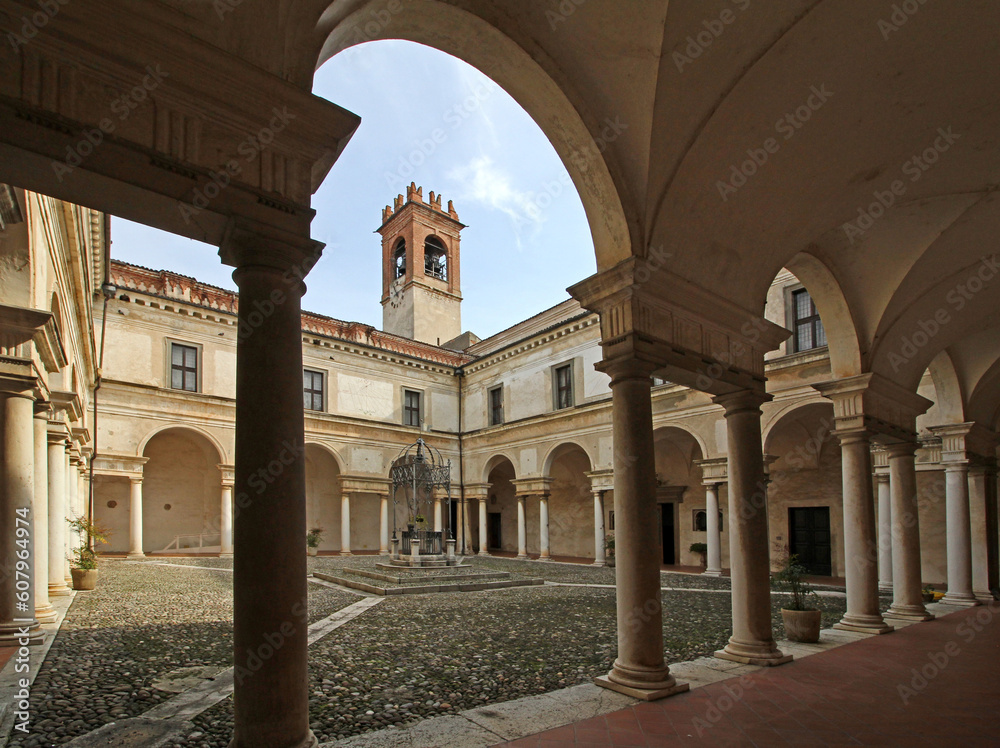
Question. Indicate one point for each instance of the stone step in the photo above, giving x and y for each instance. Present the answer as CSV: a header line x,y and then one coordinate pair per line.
x,y
426,589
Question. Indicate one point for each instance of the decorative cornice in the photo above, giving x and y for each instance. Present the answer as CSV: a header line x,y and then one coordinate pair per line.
x,y
602,480
122,465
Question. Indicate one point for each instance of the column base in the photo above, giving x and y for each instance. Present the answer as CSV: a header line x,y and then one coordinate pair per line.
x,y
225,554
133,556
645,694
545,557
522,556
46,614
762,654
864,625
966,600
309,742
12,639
712,573
908,613
599,563
59,590
483,553
346,553
984,597
885,586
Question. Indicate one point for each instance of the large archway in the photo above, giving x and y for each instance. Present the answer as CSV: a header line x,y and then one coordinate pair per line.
x,y
501,508
805,505
571,504
680,497
181,490
323,496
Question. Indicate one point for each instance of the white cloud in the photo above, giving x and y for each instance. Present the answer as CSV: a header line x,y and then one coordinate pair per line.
x,y
490,185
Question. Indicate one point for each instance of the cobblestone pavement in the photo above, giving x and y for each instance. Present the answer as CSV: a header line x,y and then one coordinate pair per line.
x,y
405,660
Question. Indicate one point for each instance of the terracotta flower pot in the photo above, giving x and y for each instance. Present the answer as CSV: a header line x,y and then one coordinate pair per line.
x,y
802,625
84,579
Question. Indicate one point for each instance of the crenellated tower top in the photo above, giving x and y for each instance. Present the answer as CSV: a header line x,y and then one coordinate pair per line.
x,y
415,194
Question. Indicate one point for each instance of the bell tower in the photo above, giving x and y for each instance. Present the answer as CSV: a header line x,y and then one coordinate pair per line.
x,y
421,294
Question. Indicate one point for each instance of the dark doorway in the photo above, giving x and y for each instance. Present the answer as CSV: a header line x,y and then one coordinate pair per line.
x,y
493,531
809,533
667,534
451,531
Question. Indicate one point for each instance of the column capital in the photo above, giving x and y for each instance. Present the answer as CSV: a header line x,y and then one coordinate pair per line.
x,y
700,339
249,244
228,475
901,449
962,442
870,402
626,368
742,401
535,486
714,470
601,480
136,478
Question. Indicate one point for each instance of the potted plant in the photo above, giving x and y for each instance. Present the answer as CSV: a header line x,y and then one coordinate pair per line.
x,y
928,593
313,538
801,617
609,550
83,562
420,521
702,550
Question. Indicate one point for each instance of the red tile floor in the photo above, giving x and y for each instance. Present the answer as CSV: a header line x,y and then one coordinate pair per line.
x,y
931,684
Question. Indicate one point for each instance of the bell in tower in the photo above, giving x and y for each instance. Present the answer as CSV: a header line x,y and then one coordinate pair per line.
x,y
421,294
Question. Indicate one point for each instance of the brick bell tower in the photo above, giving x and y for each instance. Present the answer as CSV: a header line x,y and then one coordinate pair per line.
x,y
421,294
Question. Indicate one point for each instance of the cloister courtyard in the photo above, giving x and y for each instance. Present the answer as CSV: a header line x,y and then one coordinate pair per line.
x,y
156,627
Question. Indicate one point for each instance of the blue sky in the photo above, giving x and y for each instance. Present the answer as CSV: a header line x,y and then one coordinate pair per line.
x,y
527,237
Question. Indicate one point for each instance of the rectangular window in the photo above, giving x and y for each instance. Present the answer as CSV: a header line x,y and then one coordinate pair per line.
x,y
496,406
809,332
411,408
312,390
564,386
183,367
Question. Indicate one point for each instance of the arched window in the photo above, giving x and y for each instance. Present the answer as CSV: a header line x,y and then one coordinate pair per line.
x,y
399,259
435,258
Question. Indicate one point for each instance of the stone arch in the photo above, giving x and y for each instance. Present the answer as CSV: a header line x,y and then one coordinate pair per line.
x,y
559,112
949,397
331,450
827,294
501,504
773,417
323,469
571,505
495,460
680,493
806,486
560,449
181,489
698,438
212,439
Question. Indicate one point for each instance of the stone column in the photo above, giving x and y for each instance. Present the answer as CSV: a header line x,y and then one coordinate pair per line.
x,y
135,518
752,641
345,524
907,600
383,526
639,669
860,536
69,540
600,557
57,515
884,532
270,596
713,534
982,554
482,527
466,542
17,493
438,523
543,528
226,520
44,611
959,535
522,527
